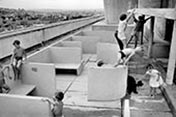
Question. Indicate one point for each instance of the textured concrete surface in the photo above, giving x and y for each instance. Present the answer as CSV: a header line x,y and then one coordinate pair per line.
x,y
141,104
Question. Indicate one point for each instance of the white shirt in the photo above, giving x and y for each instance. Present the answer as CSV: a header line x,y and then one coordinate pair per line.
x,y
121,29
155,79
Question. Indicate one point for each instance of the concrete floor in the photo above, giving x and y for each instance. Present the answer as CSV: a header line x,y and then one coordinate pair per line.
x,y
76,104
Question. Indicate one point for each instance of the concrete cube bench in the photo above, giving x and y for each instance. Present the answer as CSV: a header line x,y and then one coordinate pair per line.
x,y
107,83
107,52
89,43
61,57
22,89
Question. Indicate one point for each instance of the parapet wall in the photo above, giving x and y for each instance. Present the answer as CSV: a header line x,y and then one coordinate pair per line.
x,y
33,36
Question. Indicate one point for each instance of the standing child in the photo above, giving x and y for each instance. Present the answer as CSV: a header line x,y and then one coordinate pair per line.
x,y
17,57
155,81
138,29
57,104
120,32
3,86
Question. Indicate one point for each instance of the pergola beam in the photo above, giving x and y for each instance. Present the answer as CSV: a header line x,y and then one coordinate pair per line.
x,y
168,13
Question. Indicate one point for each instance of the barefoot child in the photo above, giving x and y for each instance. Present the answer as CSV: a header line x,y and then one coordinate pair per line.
x,y
3,86
125,55
57,104
155,81
120,32
137,32
17,57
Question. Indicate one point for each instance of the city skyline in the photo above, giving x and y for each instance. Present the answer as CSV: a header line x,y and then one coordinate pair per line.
x,y
52,4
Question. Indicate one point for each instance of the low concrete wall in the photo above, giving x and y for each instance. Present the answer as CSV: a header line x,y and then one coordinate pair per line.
x,y
42,75
107,83
33,36
89,43
23,106
105,36
107,52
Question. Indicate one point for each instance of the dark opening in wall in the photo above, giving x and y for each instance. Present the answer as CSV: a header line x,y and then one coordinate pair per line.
x,y
169,30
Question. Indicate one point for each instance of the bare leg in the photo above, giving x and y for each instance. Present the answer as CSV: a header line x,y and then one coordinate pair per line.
x,y
19,63
136,41
128,42
14,71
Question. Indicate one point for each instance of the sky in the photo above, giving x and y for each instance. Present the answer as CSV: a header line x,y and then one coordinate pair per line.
x,y
52,4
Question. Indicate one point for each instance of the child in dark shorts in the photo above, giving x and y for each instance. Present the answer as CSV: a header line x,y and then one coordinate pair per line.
x,y
137,32
17,58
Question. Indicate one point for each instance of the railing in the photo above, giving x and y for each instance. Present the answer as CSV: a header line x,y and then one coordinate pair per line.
x,y
35,35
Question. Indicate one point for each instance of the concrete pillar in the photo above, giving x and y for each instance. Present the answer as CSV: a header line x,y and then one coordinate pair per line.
x,y
172,57
159,27
151,39
172,3
113,9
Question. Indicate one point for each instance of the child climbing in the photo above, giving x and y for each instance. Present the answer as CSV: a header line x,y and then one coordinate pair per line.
x,y
56,104
125,55
137,32
17,58
120,32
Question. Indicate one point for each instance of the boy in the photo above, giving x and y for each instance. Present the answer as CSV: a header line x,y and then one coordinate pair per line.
x,y
125,55
138,29
57,104
3,86
17,57
120,33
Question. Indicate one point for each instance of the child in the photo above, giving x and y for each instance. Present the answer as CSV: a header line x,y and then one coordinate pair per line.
x,y
155,80
125,54
3,86
17,58
57,104
138,29
120,33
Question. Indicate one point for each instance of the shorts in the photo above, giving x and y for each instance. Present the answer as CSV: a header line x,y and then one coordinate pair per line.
x,y
17,61
122,54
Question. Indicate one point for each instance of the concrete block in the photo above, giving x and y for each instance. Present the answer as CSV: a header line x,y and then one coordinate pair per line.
x,y
42,56
160,50
66,54
107,52
107,83
42,75
89,43
23,106
68,44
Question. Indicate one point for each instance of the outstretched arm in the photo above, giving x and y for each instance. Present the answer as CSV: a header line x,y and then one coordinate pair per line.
x,y
135,20
48,100
129,16
12,58
148,18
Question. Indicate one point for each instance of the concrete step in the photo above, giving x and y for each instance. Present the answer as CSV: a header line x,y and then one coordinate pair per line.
x,y
143,105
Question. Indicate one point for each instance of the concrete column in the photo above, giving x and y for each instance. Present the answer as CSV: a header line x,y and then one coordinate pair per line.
x,y
151,39
172,57
113,9
159,27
